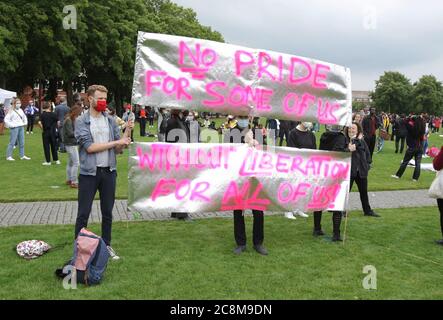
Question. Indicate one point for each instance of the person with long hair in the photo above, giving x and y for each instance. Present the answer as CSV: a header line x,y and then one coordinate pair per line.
x,y
48,122
16,121
71,145
360,165
414,140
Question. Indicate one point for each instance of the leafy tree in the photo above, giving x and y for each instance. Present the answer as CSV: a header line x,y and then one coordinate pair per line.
x,y
428,95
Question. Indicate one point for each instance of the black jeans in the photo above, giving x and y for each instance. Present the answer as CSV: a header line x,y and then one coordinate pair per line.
x,y
31,120
50,143
283,133
415,153
397,140
104,181
440,208
142,127
257,229
362,184
370,141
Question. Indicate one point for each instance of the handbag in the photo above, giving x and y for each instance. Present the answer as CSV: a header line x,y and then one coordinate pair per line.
x,y
436,188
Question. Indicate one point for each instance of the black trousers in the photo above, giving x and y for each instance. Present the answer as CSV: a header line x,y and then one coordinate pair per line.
x,y
31,120
283,133
336,221
397,140
142,127
362,184
440,208
151,121
370,141
104,181
415,153
257,229
50,143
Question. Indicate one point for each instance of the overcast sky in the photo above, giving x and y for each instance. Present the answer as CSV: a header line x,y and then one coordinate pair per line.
x,y
369,37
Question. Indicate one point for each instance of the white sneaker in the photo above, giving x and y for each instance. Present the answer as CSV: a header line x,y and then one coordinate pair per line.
x,y
301,214
32,132
290,215
27,132
112,253
395,177
25,158
10,159
58,162
46,163
415,180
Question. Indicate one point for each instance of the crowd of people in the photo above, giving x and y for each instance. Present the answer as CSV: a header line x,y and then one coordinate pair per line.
x,y
92,134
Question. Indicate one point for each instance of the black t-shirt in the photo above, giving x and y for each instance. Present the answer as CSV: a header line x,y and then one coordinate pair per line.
x,y
302,139
49,121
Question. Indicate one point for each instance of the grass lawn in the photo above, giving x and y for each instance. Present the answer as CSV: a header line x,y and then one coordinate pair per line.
x,y
30,181
179,260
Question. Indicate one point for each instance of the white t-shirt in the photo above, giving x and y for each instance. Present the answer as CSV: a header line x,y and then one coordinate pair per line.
x,y
100,134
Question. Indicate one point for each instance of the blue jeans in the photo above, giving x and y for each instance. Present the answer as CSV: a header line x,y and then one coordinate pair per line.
x,y
17,133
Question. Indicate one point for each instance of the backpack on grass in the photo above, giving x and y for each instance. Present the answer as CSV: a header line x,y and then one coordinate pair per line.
x,y
89,260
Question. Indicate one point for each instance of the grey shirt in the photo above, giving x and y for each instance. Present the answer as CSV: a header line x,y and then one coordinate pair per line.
x,y
100,134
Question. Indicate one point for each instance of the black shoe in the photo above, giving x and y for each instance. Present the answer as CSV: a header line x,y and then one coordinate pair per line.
x,y
440,242
260,249
336,238
239,249
317,233
372,214
344,214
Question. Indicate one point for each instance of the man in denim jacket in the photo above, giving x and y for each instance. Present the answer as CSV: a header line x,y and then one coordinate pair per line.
x,y
98,136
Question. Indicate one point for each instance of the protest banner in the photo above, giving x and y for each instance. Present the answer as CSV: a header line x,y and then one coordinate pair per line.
x,y
218,177
203,75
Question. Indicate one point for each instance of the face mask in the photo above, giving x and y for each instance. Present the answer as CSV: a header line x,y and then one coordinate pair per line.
x,y
190,118
307,125
101,106
18,106
243,123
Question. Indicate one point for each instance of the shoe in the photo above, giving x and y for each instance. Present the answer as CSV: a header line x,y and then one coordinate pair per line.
x,y
317,233
290,215
25,158
239,249
112,253
74,185
27,132
371,214
32,132
395,176
46,163
440,242
301,214
415,180
260,249
336,238
10,159
58,162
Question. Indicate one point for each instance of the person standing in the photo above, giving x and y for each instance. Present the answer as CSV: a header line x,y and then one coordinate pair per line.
x,y
49,122
370,125
360,165
301,137
414,140
2,120
16,121
61,110
331,140
438,165
99,141
241,133
142,119
30,111
71,145
400,132
163,116
151,115
127,117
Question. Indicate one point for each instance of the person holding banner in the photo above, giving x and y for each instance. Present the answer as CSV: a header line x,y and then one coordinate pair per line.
x,y
241,133
98,136
331,140
301,137
178,132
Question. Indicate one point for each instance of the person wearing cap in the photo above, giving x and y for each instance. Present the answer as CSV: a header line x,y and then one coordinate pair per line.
x,y
241,133
331,140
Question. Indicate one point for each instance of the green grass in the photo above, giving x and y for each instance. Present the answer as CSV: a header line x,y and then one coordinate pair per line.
x,y
30,181
179,260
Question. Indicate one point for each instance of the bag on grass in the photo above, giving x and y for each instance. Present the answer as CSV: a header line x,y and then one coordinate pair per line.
x,y
32,249
436,189
89,260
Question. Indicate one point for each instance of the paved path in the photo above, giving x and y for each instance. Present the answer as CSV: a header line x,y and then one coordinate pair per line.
x,y
31,213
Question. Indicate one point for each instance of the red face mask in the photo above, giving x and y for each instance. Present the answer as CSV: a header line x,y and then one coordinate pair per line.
x,y
101,106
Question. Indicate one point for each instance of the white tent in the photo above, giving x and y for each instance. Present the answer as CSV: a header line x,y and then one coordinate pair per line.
x,y
5,94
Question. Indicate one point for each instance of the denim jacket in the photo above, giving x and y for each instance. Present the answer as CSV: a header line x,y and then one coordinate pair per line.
x,y
88,164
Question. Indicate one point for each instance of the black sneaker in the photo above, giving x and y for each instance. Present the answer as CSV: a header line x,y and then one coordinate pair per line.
x,y
318,233
260,249
440,242
336,238
239,249
372,214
